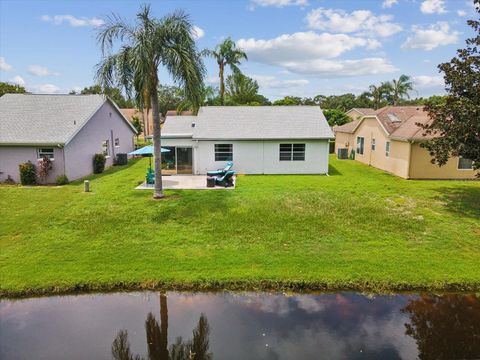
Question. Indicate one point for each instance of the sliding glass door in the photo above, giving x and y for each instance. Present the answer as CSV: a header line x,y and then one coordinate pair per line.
x,y
179,160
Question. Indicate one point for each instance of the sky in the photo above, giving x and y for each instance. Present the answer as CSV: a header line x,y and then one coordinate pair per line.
x,y
294,47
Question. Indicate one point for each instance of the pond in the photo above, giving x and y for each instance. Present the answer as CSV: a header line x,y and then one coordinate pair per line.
x,y
224,325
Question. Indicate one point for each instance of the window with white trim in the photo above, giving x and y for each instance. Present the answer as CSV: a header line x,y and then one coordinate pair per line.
x,y
292,152
117,142
360,145
45,152
223,152
464,164
387,149
106,148
373,144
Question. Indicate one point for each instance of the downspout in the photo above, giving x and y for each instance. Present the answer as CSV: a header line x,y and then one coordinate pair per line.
x,y
63,157
112,144
410,143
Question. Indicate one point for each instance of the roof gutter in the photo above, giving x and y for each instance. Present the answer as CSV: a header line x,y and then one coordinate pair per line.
x,y
54,144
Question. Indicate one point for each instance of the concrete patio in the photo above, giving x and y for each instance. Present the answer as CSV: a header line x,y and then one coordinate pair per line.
x,y
185,182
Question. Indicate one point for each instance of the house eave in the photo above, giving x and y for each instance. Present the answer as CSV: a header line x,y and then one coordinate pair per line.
x,y
36,144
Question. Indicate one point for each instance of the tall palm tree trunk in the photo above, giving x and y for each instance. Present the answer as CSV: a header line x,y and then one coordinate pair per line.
x,y
164,326
222,85
157,146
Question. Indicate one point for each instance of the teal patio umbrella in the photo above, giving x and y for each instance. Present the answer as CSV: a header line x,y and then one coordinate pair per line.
x,y
147,151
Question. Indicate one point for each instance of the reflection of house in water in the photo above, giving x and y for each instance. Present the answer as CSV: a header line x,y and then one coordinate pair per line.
x,y
157,340
445,327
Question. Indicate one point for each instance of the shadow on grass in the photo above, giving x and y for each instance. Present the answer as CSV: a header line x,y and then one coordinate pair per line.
x,y
333,171
461,200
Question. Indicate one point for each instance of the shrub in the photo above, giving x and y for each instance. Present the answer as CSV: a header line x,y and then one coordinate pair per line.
x,y
28,174
62,180
44,166
99,161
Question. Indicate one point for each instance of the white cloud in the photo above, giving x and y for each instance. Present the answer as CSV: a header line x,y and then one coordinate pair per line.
x,y
38,70
72,20
198,32
358,21
45,89
302,45
433,7
18,80
426,81
3,65
342,68
268,81
461,13
389,3
279,3
431,37
297,54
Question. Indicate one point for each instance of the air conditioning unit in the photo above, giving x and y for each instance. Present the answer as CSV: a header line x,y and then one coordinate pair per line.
x,y
342,153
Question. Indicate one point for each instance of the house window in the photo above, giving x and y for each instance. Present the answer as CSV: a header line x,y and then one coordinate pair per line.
x,y
360,145
45,152
292,152
105,148
223,152
387,149
465,164
117,142
373,144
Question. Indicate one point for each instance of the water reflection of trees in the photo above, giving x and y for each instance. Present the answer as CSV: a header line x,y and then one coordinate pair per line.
x,y
157,340
445,327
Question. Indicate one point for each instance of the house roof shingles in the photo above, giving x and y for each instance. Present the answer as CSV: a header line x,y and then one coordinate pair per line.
x,y
399,122
178,126
255,122
364,111
44,119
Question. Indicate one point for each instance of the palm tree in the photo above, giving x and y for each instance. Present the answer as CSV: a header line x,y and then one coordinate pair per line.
x,y
400,88
144,47
226,53
377,93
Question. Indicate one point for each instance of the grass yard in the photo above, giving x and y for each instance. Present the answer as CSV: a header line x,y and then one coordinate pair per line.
x,y
358,229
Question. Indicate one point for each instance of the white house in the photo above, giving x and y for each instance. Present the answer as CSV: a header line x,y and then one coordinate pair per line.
x,y
258,139
68,129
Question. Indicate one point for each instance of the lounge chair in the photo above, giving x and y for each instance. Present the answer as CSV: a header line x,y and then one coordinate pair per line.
x,y
225,180
221,172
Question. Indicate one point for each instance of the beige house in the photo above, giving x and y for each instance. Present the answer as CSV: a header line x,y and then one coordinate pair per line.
x,y
389,139
358,113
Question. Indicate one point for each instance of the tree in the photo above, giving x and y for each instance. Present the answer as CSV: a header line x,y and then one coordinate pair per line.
x,y
398,89
455,124
288,101
113,93
137,124
336,117
242,90
169,98
378,94
147,45
7,88
226,53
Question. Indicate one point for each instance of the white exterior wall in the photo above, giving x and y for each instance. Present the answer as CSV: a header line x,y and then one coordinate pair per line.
x,y
256,156
262,157
12,156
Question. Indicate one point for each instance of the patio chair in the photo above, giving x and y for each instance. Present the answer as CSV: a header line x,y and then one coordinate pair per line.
x,y
225,180
150,177
221,172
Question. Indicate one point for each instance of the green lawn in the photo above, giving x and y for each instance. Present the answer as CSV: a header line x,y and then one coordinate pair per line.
x,y
356,229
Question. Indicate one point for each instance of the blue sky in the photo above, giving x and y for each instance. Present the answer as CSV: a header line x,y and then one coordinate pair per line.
x,y
295,47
